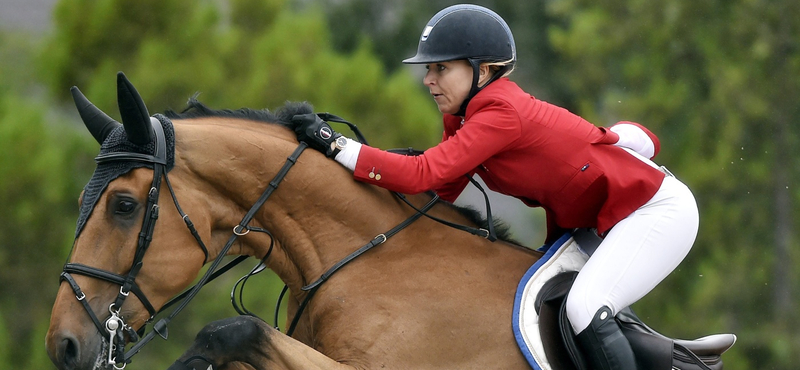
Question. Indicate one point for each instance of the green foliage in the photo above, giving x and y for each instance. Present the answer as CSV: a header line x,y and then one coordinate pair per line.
x,y
718,81
261,56
5,339
395,28
92,33
252,53
254,16
38,195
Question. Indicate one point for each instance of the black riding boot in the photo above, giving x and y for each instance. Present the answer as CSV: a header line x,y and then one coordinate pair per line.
x,y
603,344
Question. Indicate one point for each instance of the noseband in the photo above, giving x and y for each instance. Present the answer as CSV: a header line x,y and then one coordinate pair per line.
x,y
114,326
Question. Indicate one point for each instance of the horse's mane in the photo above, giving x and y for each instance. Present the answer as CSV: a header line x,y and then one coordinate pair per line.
x,y
283,116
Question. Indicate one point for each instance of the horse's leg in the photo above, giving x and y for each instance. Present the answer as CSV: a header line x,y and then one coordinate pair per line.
x,y
245,342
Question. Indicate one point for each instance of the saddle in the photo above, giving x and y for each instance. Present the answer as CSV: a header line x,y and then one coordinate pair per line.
x,y
546,337
652,350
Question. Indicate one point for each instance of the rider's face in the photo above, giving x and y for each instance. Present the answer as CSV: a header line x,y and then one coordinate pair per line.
x,y
449,83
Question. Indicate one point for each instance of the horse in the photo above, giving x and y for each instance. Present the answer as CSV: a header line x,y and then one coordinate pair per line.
x,y
372,283
428,297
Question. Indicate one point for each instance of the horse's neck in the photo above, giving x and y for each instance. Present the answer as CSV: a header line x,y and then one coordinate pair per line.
x,y
321,215
317,215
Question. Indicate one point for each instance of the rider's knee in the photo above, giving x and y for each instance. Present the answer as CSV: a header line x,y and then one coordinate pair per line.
x,y
581,307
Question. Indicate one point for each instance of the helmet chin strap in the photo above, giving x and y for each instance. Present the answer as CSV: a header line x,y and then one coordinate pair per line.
x,y
475,89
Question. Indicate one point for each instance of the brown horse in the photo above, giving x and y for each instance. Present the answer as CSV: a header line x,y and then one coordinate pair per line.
x,y
430,297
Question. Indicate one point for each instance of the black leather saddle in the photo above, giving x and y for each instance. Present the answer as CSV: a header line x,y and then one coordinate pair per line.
x,y
653,351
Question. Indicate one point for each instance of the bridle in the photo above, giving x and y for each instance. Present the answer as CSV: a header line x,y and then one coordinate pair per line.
x,y
115,327
311,289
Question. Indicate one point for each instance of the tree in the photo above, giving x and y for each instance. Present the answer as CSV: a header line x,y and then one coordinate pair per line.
x,y
38,196
236,61
716,80
255,54
719,82
395,27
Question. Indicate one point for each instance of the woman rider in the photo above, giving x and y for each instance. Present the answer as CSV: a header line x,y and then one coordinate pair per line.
x,y
582,175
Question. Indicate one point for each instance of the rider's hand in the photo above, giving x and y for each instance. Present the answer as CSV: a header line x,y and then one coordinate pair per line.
x,y
316,133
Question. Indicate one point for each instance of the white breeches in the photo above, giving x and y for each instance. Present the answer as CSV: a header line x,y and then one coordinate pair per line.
x,y
636,254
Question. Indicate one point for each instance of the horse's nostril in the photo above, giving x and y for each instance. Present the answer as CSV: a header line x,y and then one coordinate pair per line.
x,y
70,353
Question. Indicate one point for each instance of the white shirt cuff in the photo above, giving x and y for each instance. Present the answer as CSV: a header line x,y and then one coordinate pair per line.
x,y
348,156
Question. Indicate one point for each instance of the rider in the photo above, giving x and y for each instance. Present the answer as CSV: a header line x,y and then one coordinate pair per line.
x,y
582,175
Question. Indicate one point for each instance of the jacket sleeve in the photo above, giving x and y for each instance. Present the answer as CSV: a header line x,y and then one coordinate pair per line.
x,y
493,126
451,190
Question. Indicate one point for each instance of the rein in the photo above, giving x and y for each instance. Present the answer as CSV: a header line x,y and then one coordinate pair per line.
x,y
378,240
115,326
488,233
239,230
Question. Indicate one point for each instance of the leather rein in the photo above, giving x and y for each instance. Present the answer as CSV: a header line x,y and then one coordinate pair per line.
x,y
115,327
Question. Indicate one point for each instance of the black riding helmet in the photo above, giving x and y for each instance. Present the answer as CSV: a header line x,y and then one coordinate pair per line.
x,y
470,32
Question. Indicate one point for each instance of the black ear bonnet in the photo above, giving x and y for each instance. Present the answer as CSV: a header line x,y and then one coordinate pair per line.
x,y
117,142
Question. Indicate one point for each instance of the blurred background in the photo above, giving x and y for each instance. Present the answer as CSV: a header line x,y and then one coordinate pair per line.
x,y
717,80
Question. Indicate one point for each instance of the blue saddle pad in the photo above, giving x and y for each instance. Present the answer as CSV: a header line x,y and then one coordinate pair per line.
x,y
563,255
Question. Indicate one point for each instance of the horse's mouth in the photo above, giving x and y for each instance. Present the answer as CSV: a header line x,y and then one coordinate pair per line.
x,y
101,362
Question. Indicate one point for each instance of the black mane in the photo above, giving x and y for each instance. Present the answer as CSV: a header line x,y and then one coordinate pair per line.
x,y
196,109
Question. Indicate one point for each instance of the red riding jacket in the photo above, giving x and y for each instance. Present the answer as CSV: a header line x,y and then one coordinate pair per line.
x,y
532,150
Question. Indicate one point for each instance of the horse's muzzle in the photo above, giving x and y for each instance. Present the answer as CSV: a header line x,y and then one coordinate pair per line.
x,y
68,352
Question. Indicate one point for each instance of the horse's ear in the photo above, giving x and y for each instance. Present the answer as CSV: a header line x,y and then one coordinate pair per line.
x,y
134,114
98,123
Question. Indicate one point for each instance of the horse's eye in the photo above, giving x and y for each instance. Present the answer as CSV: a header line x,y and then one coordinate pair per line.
x,y
125,207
